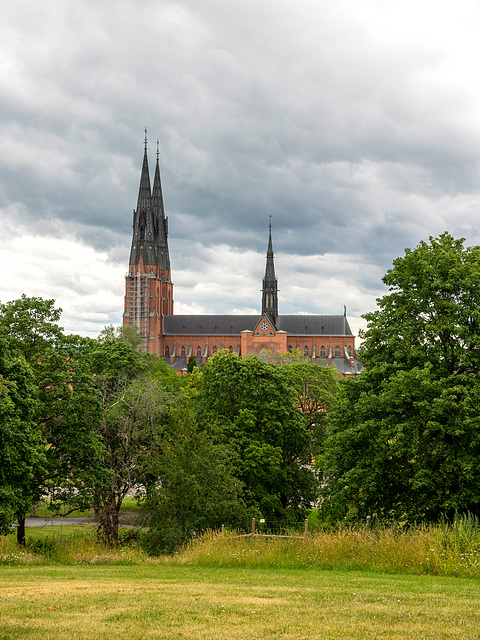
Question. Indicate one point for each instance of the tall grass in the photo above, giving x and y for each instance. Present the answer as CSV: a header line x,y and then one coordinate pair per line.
x,y
442,549
448,550
78,547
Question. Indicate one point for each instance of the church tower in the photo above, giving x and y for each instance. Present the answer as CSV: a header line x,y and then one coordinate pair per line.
x,y
269,290
148,285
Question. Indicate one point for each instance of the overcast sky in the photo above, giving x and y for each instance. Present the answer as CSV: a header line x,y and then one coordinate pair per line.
x,y
356,125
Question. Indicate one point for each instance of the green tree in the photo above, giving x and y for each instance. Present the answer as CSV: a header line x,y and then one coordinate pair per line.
x,y
115,366
64,400
431,314
192,363
194,484
22,450
254,402
404,440
316,389
125,333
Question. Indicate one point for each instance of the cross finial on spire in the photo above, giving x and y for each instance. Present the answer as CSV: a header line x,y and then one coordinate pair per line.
x,y
270,223
146,138
158,149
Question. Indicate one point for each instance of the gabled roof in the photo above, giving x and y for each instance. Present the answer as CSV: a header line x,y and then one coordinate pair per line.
x,y
208,324
265,317
234,324
314,325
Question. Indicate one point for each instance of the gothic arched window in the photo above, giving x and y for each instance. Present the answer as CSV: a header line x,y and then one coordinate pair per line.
x,y
214,350
199,352
167,352
182,352
230,349
337,351
322,351
305,352
289,348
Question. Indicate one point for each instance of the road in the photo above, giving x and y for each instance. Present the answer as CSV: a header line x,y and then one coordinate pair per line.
x,y
46,522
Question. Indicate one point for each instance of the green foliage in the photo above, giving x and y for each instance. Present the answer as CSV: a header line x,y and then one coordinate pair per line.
x,y
404,440
193,486
125,333
22,447
63,403
316,389
166,376
31,326
254,402
431,314
129,412
192,363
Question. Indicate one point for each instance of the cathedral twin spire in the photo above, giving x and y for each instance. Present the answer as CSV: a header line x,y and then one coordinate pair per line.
x,y
150,226
150,236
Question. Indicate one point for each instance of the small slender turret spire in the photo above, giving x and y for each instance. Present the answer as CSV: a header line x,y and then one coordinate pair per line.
x,y
269,290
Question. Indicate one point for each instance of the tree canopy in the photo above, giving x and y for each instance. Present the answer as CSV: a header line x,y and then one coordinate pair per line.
x,y
256,405
404,440
85,422
63,404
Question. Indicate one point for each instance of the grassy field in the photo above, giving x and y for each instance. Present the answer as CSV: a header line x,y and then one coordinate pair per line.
x,y
129,505
350,583
168,601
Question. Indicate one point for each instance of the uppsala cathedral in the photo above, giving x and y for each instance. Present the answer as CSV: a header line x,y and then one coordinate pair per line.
x,y
322,339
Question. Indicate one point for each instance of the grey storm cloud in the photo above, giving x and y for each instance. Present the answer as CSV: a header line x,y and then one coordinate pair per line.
x,y
355,125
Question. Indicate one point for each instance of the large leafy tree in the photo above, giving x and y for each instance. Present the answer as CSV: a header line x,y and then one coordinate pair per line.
x,y
432,311
22,447
193,481
254,402
316,389
115,366
64,403
404,438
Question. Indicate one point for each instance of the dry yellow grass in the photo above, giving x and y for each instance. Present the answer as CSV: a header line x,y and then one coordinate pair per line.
x,y
172,602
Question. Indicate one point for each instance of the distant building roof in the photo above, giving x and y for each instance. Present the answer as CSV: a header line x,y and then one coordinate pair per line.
x,y
234,324
314,325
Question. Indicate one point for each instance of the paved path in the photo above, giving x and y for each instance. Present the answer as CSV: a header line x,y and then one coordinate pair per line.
x,y
46,522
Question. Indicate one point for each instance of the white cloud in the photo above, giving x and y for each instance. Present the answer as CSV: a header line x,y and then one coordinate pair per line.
x,y
84,283
356,125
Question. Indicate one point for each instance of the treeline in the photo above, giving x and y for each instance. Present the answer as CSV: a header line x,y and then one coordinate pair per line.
x,y
85,422
404,441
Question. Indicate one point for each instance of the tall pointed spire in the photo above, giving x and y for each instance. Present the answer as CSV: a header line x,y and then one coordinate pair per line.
x,y
148,283
269,290
160,221
144,192
143,241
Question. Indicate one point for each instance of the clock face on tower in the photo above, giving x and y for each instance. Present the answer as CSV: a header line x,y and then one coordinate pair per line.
x,y
264,326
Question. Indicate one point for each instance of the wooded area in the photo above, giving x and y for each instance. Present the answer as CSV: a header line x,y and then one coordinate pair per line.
x,y
85,422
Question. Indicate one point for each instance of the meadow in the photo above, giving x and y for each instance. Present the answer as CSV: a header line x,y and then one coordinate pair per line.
x,y
352,583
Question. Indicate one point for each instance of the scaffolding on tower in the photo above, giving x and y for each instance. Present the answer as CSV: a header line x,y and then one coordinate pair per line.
x,y
137,304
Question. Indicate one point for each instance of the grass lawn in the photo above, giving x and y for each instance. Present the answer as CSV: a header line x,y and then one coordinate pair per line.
x,y
168,601
37,533
129,505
